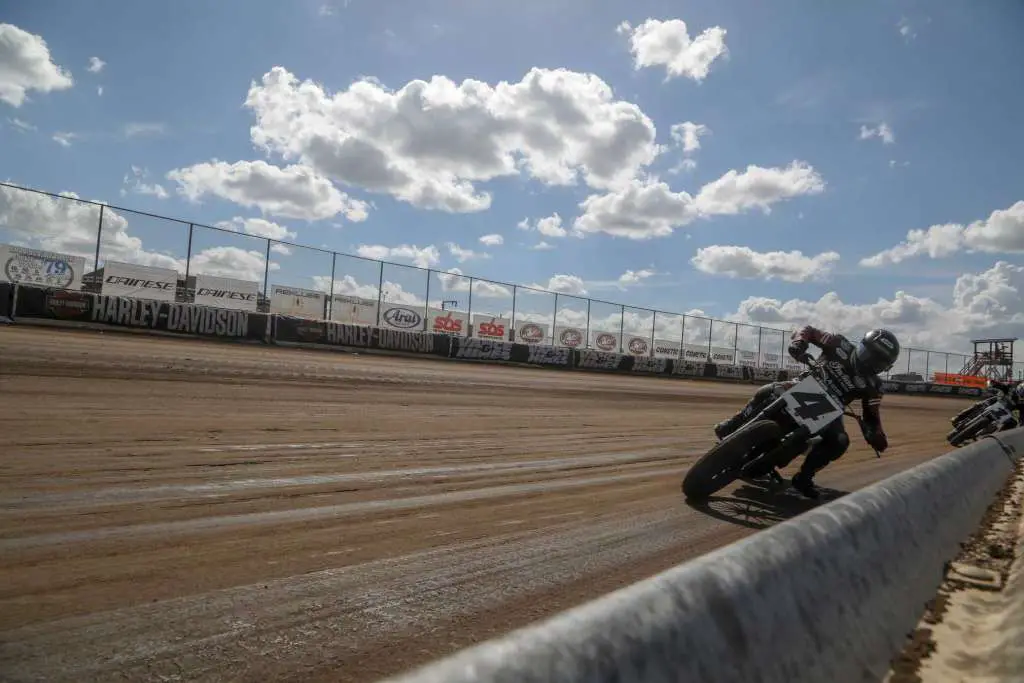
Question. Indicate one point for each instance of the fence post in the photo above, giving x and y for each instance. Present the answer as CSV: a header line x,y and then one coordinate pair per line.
x,y
512,333
711,336
329,310
927,364
682,338
760,334
622,325
735,342
554,320
266,271
380,292
188,265
586,338
426,301
469,305
654,326
947,363
99,234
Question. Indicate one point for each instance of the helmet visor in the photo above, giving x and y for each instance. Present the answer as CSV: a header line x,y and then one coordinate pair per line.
x,y
872,359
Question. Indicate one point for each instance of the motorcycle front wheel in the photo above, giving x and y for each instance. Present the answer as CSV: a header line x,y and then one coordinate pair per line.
x,y
720,466
959,436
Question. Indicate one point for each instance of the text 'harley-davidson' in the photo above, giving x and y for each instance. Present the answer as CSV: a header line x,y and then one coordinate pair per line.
x,y
783,430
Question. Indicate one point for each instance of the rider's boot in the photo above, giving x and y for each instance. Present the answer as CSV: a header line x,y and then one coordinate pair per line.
x,y
803,481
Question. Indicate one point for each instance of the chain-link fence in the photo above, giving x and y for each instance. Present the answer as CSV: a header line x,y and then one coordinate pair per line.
x,y
301,280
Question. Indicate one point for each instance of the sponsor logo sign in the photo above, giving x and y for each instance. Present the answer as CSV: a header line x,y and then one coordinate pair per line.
x,y
143,282
599,360
638,346
354,310
650,365
41,268
173,317
747,358
451,323
303,303
606,341
571,337
226,292
697,354
401,318
549,355
490,327
724,356
410,342
474,348
343,334
730,371
689,368
67,304
664,348
532,333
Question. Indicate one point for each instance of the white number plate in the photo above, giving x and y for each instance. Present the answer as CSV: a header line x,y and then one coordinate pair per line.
x,y
811,406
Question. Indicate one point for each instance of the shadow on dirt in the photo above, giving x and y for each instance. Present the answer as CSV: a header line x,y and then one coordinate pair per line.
x,y
758,506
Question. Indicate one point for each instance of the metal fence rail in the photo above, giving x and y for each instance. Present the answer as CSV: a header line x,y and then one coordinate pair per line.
x,y
99,232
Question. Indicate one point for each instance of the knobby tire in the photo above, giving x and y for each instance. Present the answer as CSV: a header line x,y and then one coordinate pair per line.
x,y
719,467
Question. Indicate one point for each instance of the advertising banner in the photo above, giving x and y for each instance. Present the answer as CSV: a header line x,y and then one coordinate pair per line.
x,y
141,282
665,348
771,360
570,337
401,317
42,268
227,292
302,331
491,327
696,353
747,358
637,345
454,323
354,310
532,333
303,303
723,356
605,341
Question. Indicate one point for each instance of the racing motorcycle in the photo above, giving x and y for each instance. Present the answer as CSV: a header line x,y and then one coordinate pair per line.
x,y
988,416
784,429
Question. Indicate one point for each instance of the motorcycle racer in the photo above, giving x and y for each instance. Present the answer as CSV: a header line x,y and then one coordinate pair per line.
x,y
1014,392
850,372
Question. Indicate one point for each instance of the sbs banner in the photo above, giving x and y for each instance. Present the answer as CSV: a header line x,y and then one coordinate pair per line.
x,y
491,327
226,292
141,282
454,323
21,265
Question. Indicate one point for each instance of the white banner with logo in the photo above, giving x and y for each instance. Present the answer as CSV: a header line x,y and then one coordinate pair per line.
x,y
139,282
666,348
491,327
771,360
695,353
570,337
723,356
301,303
637,345
43,268
354,310
401,317
227,292
533,333
605,341
454,323
747,358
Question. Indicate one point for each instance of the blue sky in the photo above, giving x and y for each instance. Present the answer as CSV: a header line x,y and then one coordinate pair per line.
x,y
898,116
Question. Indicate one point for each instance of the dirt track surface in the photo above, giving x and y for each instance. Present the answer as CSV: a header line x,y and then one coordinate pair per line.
x,y
185,510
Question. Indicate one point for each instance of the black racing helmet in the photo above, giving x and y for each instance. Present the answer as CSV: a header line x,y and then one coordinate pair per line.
x,y
877,352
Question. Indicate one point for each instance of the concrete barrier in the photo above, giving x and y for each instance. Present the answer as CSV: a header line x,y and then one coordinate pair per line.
x,y
828,596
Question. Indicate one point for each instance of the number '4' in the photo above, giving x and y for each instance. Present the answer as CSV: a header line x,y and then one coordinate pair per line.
x,y
812,406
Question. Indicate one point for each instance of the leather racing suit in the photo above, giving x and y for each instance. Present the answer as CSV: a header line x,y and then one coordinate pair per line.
x,y
844,379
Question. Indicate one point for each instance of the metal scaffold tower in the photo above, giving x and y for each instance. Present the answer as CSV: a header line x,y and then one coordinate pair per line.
x,y
993,358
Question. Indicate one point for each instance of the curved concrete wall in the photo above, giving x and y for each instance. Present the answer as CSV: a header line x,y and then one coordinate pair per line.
x,y
828,596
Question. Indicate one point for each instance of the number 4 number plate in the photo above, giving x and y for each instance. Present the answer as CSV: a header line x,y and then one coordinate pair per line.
x,y
811,406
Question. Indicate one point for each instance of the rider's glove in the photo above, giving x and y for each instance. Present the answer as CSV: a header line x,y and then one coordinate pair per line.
x,y
798,349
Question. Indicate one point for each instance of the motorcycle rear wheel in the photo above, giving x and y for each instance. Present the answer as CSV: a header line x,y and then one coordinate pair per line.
x,y
720,466
958,437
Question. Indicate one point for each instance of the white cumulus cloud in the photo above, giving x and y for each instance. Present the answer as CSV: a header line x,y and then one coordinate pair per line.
x,y
26,64
1001,233
290,192
882,131
429,142
744,262
668,44
492,240
462,254
258,227
422,257
95,65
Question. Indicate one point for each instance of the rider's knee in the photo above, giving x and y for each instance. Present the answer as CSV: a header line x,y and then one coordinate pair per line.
x,y
841,445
